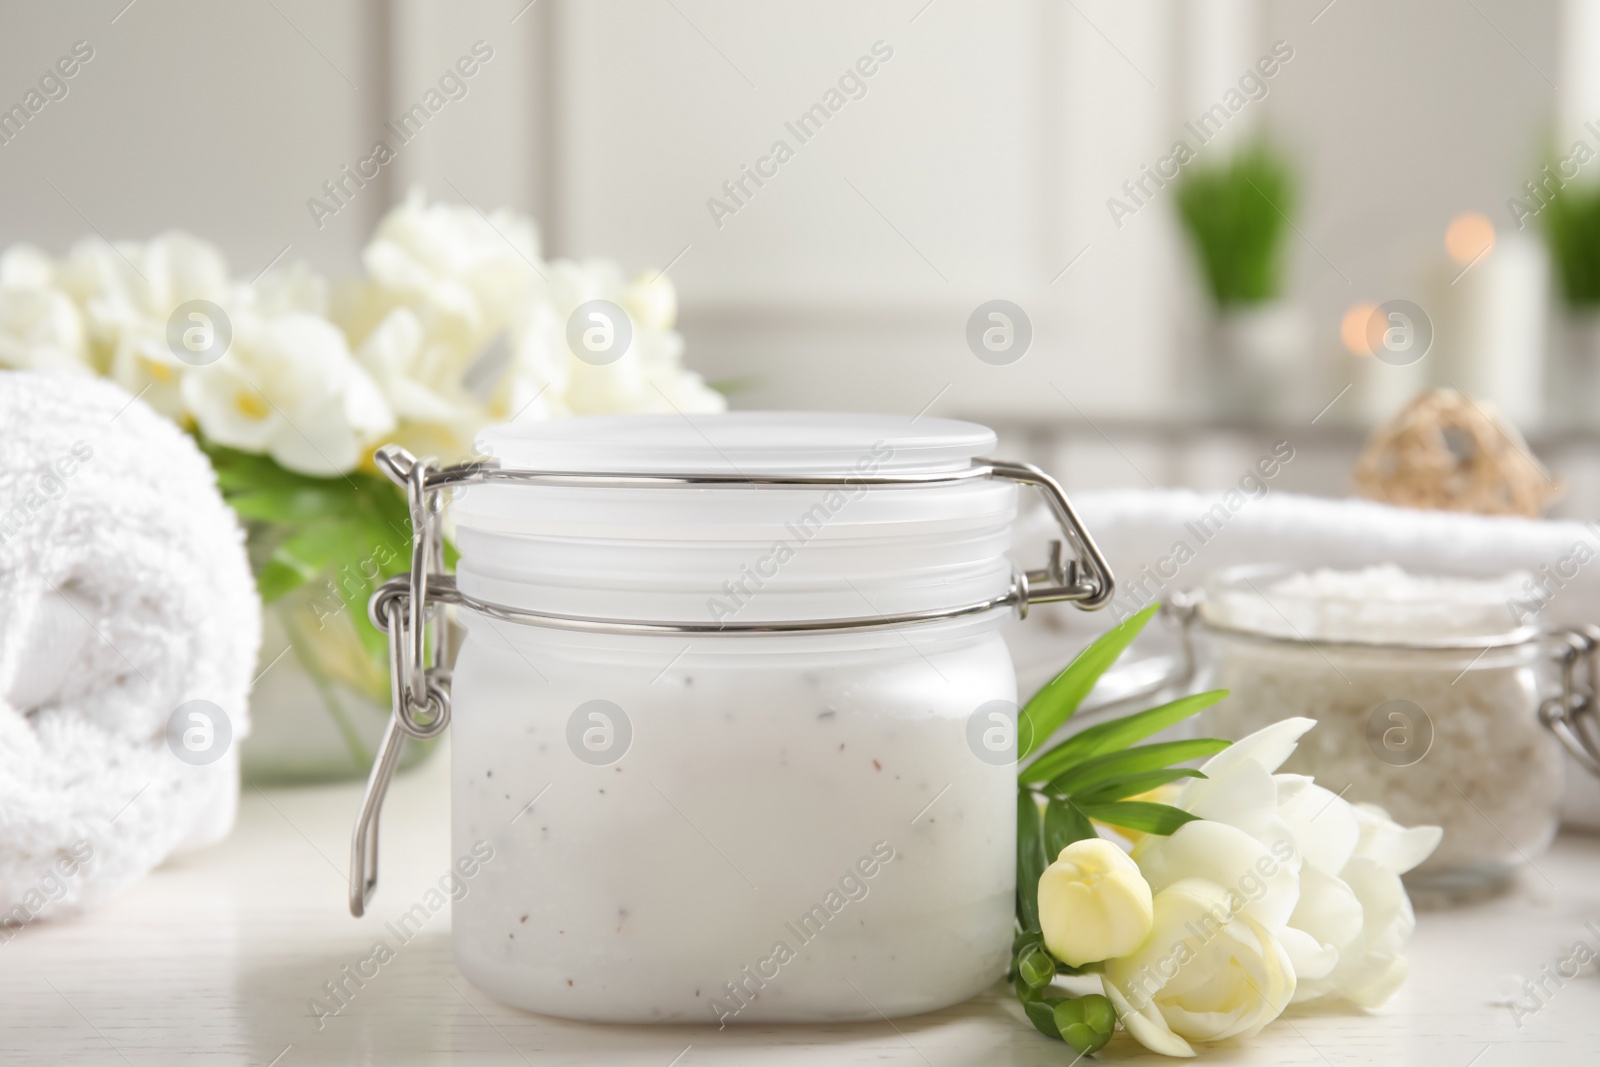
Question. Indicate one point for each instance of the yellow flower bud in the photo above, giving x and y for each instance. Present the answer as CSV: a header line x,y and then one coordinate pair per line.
x,y
1093,903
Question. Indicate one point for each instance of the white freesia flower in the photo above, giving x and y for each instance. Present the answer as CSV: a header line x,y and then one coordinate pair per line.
x,y
1093,903
40,327
421,381
455,323
434,315
1312,873
27,267
647,377
128,291
1363,914
1220,961
289,387
651,300
283,290
461,273
1207,972
1352,914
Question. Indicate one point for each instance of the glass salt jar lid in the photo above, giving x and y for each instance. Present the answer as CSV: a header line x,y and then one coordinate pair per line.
x,y
738,451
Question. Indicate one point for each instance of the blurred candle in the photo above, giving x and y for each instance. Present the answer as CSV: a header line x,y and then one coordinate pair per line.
x,y
1490,302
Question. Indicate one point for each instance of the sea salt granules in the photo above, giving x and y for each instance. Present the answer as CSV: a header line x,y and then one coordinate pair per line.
x,y
1426,693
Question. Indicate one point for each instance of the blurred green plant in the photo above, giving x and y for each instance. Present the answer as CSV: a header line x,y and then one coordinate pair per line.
x,y
1236,214
1572,225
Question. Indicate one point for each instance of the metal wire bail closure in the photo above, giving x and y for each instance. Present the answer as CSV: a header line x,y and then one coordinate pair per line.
x,y
419,687
407,605
1574,715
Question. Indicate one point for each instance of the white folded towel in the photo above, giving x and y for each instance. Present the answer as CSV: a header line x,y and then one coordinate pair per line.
x,y
1140,532
125,592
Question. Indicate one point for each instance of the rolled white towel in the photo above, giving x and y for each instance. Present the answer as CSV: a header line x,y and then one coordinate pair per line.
x,y
125,592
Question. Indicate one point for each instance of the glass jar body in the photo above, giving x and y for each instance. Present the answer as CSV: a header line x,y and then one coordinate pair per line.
x,y
784,827
1448,737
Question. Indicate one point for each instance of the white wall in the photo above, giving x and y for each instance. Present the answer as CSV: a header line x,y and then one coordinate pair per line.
x,y
970,170
977,166
219,120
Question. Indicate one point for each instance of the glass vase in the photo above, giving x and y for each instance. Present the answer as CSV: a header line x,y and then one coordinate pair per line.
x,y
320,702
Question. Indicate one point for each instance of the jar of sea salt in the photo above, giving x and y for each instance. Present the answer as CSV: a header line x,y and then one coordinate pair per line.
x,y
732,711
1427,694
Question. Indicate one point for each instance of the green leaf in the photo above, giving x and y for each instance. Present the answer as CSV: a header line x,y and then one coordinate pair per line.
x,y
243,471
276,578
297,504
1042,1013
1130,785
1117,734
371,551
1063,824
1031,860
1055,703
1087,774
1140,815
311,550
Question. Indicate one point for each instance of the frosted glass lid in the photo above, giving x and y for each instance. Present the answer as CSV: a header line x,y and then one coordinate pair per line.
x,y
742,442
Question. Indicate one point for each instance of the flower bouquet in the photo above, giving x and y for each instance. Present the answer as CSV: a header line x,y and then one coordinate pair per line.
x,y
1244,891
289,383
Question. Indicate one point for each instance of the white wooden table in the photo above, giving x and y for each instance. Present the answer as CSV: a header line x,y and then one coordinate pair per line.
x,y
214,958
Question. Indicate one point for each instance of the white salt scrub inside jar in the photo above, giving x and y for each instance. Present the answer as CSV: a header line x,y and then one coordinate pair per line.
x,y
715,827
1426,690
